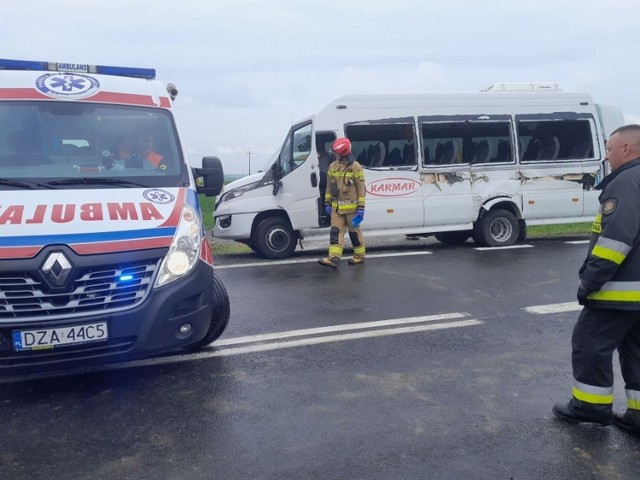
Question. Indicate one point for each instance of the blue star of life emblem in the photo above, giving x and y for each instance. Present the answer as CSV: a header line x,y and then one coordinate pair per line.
x,y
67,85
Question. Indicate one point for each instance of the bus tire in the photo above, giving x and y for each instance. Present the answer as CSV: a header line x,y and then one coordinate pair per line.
x,y
453,238
274,238
219,315
497,228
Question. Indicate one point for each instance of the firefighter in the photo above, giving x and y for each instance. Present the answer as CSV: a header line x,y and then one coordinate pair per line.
x,y
610,293
344,202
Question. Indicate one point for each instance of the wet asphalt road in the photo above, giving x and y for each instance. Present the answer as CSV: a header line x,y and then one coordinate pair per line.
x,y
427,362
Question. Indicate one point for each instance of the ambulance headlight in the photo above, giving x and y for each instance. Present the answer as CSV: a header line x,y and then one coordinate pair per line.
x,y
237,192
185,248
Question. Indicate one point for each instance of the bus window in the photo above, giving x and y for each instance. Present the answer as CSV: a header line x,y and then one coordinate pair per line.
x,y
451,143
383,145
555,140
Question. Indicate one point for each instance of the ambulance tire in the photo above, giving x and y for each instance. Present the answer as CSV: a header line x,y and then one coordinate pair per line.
x,y
274,238
219,316
453,238
496,228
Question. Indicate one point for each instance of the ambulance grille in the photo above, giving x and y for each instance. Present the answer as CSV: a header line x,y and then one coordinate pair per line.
x,y
100,289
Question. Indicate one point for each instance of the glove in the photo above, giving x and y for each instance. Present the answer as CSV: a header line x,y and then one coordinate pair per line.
x,y
357,220
582,294
327,209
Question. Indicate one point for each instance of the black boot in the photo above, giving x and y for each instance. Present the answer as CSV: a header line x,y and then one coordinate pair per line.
x,y
629,421
576,411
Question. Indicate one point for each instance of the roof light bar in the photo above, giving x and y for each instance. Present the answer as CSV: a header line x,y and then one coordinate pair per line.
x,y
7,64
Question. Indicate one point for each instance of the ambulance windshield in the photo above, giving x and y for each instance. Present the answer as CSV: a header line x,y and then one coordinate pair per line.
x,y
54,141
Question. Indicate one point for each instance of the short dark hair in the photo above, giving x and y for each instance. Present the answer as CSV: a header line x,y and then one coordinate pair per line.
x,y
627,128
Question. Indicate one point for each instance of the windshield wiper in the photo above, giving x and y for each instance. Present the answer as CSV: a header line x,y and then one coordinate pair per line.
x,y
96,181
21,184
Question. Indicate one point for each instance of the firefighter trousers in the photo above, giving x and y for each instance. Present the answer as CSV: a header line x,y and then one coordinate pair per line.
x,y
596,334
340,223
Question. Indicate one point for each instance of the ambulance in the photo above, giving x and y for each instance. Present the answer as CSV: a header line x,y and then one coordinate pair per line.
x,y
103,252
457,166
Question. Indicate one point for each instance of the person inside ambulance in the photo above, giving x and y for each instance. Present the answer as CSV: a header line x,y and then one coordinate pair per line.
x,y
136,151
344,202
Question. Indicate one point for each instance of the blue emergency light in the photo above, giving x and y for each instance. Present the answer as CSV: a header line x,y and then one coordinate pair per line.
x,y
7,64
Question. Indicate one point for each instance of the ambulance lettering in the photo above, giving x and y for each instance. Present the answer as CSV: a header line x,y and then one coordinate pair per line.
x,y
87,212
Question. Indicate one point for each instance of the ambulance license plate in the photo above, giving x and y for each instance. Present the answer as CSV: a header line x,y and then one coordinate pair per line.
x,y
48,338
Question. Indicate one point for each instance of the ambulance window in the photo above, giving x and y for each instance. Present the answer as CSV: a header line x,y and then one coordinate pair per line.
x,y
548,140
456,143
383,145
50,140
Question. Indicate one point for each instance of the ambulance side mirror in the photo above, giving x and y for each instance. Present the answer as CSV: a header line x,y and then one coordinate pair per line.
x,y
209,178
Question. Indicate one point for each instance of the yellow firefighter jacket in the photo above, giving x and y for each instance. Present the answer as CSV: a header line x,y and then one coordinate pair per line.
x,y
345,186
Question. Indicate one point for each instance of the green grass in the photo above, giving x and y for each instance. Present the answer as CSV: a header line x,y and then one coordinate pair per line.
x,y
207,204
556,230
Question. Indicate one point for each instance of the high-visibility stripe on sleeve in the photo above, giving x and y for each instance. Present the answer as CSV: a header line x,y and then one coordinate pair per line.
x,y
617,292
611,250
590,394
633,399
596,226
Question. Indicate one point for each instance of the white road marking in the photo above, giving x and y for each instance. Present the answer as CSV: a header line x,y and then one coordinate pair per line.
x,y
260,343
303,342
336,328
577,242
511,247
553,308
267,263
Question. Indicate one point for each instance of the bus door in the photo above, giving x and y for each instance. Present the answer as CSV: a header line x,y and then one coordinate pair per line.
x,y
448,150
296,178
558,165
387,151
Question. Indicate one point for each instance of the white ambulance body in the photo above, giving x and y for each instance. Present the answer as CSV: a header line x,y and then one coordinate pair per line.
x,y
480,165
101,258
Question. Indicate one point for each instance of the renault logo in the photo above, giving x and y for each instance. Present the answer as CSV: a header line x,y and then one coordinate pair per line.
x,y
56,269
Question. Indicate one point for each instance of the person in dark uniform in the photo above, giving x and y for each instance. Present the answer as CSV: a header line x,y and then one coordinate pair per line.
x,y
609,290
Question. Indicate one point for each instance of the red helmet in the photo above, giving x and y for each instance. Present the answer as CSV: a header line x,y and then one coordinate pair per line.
x,y
341,146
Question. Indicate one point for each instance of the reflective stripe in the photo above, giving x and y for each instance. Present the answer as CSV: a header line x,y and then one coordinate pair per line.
x,y
596,226
633,399
611,250
590,394
618,292
360,251
341,173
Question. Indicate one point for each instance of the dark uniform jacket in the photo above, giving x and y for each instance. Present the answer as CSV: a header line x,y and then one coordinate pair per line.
x,y
610,276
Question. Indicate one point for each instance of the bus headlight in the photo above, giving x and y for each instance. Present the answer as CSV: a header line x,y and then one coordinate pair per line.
x,y
184,251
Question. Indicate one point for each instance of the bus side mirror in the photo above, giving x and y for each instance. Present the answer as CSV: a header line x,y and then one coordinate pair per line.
x,y
209,178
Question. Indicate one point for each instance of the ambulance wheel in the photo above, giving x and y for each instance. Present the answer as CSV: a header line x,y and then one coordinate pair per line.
x,y
497,228
274,238
453,238
219,315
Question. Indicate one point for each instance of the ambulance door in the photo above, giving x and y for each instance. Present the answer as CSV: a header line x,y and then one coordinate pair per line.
x,y
445,177
296,178
387,151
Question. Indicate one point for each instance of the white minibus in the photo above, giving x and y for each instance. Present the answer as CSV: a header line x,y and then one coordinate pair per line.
x,y
482,165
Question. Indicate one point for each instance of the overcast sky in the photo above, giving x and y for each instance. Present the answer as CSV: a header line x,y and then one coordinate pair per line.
x,y
247,69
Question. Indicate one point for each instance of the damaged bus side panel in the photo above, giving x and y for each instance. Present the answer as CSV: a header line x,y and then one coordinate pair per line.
x,y
456,166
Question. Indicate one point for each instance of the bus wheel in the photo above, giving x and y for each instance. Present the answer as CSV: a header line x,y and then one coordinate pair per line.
x,y
219,315
497,228
274,238
453,238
